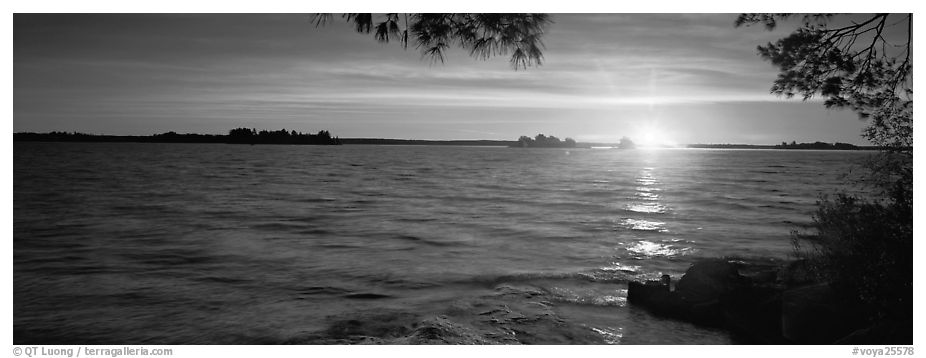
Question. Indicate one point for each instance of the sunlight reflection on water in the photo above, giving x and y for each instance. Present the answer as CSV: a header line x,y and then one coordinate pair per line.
x,y
280,238
610,335
621,267
648,185
646,207
648,249
644,225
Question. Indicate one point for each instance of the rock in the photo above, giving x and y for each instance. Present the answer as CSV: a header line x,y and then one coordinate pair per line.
x,y
398,328
765,303
714,293
796,273
440,330
814,314
893,332
753,314
374,325
764,277
655,296
647,291
762,271
703,286
697,294
706,281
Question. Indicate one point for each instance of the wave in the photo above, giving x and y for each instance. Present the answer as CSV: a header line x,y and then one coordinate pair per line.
x,y
601,275
427,241
395,226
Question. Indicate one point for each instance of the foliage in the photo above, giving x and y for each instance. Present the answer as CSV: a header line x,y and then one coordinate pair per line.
x,y
542,141
816,145
483,35
237,135
626,143
253,136
864,248
853,66
862,243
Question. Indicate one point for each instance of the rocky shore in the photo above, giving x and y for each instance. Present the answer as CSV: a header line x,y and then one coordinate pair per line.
x,y
765,302
511,314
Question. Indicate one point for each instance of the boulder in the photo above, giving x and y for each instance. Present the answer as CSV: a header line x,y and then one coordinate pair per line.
x,y
714,293
753,314
768,303
706,281
815,314
796,273
887,331
704,285
697,296
656,297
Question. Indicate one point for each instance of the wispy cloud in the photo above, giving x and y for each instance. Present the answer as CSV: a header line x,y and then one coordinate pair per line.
x,y
144,73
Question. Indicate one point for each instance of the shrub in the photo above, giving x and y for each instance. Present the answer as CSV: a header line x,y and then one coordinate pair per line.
x,y
864,246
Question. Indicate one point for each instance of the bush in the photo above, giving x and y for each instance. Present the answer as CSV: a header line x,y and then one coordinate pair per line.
x,y
864,246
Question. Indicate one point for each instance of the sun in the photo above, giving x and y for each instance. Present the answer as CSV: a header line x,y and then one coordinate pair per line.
x,y
653,136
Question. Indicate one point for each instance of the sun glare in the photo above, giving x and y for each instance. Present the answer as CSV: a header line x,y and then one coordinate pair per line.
x,y
653,137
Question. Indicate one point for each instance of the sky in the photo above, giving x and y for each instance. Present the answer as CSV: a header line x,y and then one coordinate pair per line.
x,y
656,78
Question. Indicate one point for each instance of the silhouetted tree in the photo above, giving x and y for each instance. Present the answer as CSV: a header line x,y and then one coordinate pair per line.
x,y
252,136
816,145
542,141
626,143
483,35
241,135
853,66
862,246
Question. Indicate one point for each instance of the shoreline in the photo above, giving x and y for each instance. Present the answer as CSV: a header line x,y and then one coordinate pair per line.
x,y
423,143
765,303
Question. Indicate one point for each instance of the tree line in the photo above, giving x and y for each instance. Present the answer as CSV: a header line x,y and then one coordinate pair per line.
x,y
817,145
542,141
253,136
234,136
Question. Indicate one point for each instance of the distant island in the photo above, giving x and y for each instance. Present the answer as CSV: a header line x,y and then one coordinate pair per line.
x,y
784,145
542,141
626,143
817,145
234,136
254,136
464,142
730,146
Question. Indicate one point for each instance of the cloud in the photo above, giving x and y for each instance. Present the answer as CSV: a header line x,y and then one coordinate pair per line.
x,y
146,72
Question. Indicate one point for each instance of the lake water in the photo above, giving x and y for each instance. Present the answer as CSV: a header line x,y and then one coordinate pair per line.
x,y
131,243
